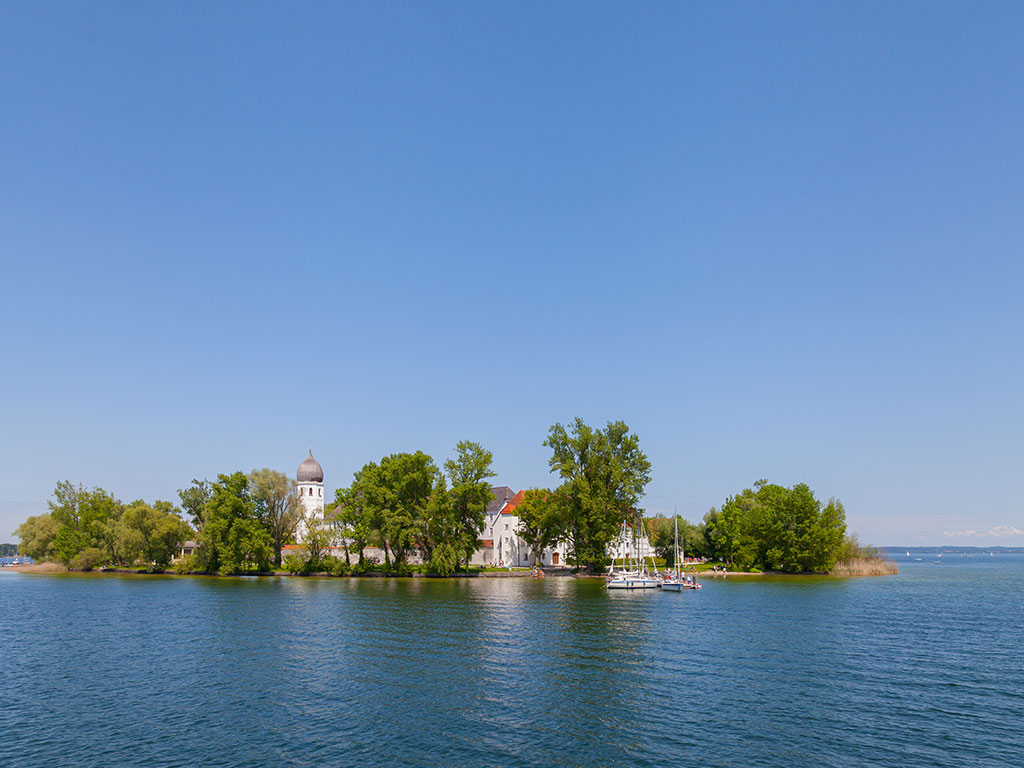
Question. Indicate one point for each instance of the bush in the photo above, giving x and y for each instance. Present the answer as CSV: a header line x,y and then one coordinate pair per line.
x,y
296,565
184,565
86,560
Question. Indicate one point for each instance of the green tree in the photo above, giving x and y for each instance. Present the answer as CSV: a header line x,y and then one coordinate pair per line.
x,y
692,538
352,520
83,518
277,507
150,534
387,503
37,534
232,538
604,474
540,522
194,498
408,481
470,494
776,528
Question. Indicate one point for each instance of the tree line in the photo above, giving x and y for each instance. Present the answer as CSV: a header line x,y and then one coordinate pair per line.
x,y
768,528
406,504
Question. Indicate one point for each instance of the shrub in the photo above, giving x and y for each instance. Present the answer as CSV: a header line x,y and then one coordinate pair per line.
x,y
86,560
296,565
185,564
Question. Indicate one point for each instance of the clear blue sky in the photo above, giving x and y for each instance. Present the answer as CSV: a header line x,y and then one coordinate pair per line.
x,y
779,240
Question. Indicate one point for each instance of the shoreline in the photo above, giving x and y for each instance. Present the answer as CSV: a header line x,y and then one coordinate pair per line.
x,y
52,568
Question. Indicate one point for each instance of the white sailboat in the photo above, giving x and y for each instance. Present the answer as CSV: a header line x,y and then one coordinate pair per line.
x,y
675,581
636,577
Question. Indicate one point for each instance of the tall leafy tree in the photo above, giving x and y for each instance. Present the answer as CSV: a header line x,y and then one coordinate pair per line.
x,y
36,537
150,533
277,507
540,522
388,503
352,519
232,538
83,518
662,535
776,528
470,494
604,474
445,536
194,498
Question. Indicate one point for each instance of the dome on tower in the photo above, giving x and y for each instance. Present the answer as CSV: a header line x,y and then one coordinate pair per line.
x,y
310,470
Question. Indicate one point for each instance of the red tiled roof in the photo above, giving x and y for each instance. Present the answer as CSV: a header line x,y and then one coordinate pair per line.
x,y
514,502
486,542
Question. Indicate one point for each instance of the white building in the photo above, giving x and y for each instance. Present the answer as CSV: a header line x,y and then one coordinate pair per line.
x,y
500,543
309,485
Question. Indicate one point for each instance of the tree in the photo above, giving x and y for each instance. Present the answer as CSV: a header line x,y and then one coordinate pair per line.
x,y
692,538
150,534
37,534
194,498
232,538
277,506
540,524
604,473
775,528
83,518
407,482
350,518
388,503
470,494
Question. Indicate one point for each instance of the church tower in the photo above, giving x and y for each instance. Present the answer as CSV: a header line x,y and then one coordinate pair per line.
x,y
309,485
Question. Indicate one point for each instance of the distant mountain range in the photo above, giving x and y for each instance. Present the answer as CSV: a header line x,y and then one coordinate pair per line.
x,y
952,548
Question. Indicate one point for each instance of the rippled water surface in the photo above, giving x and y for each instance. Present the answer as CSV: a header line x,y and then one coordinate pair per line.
x,y
921,669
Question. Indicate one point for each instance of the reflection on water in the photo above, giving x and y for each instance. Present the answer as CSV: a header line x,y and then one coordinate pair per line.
x,y
922,668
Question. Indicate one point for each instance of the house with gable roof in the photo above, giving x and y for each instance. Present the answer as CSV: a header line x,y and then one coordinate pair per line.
x,y
500,544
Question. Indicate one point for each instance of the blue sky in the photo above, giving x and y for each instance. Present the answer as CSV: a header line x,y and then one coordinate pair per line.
x,y
778,240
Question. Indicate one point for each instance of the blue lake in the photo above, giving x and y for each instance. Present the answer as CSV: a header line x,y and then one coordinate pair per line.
x,y
921,669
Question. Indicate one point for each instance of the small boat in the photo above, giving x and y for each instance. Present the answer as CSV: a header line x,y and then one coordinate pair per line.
x,y
634,580
675,581
637,577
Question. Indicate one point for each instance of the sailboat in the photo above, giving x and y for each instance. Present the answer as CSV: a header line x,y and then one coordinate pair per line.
x,y
637,577
675,581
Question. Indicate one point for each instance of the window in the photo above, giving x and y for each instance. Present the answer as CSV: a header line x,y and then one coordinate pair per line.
x,y
319,491
310,491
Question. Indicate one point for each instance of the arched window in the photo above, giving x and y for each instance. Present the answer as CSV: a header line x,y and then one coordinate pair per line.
x,y
310,491
319,491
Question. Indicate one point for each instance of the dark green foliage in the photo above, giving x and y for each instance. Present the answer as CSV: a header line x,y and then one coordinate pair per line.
x,y
404,504
469,495
775,528
604,474
87,528
692,538
232,538
194,498
540,521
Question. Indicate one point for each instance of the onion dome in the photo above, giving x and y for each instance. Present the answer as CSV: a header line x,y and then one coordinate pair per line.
x,y
310,470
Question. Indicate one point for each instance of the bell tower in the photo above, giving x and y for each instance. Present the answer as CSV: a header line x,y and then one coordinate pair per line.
x,y
309,485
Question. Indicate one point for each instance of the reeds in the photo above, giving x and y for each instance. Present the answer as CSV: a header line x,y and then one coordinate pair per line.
x,y
865,566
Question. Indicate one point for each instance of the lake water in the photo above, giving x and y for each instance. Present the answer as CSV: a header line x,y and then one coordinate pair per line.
x,y
921,669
